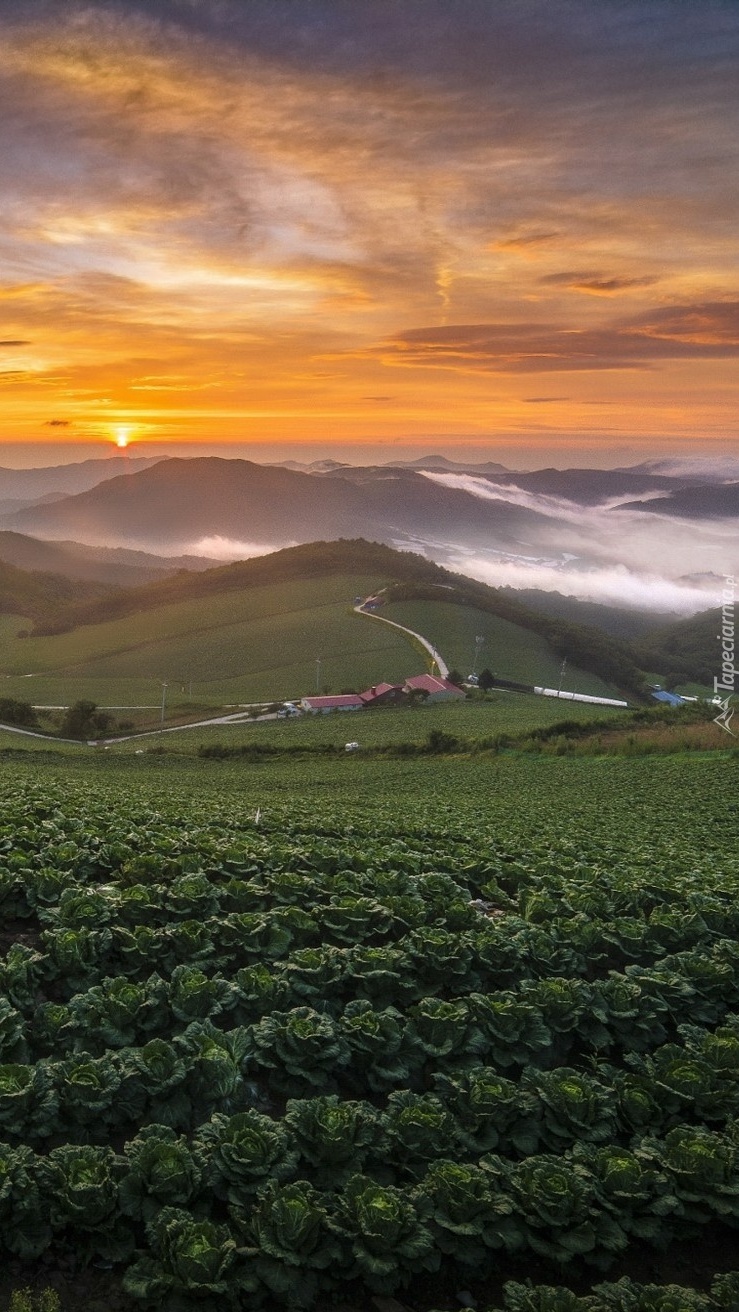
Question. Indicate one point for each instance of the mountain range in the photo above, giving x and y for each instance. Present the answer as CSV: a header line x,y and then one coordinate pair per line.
x,y
171,502
645,536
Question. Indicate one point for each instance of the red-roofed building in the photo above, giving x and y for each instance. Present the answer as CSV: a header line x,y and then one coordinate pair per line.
x,y
384,694
438,690
345,701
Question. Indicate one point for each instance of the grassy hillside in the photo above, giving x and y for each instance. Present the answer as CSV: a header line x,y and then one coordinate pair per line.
x,y
619,621
684,651
37,594
253,631
412,576
115,566
509,650
238,646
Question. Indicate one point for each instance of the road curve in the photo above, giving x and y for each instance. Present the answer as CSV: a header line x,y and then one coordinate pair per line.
x,y
441,664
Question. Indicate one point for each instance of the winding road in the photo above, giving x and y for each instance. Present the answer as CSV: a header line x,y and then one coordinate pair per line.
x,y
441,664
239,717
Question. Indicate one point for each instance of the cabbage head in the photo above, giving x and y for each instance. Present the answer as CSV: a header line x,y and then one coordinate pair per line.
x,y
575,1107
465,1210
29,1103
260,990
289,1230
380,1058
491,1111
387,1231
302,1046
117,1013
193,995
24,1212
314,974
244,1151
162,1172
545,1298
88,1091
13,1045
418,1127
154,1084
557,1202
383,976
21,974
190,1260
335,1136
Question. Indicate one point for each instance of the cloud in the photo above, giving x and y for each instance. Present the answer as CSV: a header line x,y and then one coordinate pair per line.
x,y
596,285
57,423
602,552
19,341
720,469
181,175
688,332
227,549
524,243
614,585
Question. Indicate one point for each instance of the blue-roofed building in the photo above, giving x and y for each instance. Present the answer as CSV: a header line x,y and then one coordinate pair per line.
x,y
669,698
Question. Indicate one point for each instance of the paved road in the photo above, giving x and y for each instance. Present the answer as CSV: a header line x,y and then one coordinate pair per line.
x,y
441,664
240,717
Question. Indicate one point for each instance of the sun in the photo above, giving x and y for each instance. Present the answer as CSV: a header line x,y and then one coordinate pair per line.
x,y
122,435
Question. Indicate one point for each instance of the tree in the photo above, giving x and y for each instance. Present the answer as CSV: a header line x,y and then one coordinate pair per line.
x,y
486,680
15,712
455,677
83,720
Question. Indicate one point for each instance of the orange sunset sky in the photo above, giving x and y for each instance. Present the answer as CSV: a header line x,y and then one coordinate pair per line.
x,y
502,226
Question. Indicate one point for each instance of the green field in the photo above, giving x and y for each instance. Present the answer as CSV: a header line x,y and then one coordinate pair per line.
x,y
508,650
261,644
500,713
257,644
478,717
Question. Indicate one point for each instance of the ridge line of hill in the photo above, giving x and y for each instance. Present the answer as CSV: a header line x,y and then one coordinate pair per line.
x,y
582,645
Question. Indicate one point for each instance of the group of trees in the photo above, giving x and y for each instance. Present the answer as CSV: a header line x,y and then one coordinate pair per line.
x,y
84,720
15,712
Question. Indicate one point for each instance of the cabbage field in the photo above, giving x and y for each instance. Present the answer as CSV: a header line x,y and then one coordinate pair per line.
x,y
274,1036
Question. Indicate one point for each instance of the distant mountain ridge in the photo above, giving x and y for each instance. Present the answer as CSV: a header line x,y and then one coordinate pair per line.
x,y
32,484
706,501
116,566
178,502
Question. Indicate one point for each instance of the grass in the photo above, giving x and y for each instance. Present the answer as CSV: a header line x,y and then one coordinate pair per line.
x,y
253,645
509,650
501,713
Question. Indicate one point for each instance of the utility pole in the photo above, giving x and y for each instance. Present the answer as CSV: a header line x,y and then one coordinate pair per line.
x,y
164,700
561,676
479,640
318,674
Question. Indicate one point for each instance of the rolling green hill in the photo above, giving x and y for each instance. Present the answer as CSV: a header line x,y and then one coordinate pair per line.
x,y
241,646
686,650
254,631
508,650
37,594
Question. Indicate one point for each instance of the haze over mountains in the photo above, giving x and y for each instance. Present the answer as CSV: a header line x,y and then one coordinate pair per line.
x,y
655,535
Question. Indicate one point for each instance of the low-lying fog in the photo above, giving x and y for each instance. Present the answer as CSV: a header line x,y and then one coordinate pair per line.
x,y
603,553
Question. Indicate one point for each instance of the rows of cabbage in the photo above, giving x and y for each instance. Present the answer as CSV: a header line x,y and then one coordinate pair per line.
x,y
254,1053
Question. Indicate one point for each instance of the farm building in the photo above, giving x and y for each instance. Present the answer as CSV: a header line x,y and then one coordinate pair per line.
x,y
348,701
384,694
668,698
439,690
